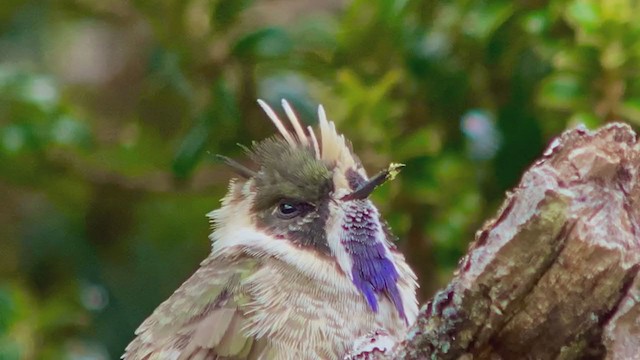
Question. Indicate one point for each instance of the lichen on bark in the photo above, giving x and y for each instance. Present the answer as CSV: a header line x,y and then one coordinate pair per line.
x,y
553,275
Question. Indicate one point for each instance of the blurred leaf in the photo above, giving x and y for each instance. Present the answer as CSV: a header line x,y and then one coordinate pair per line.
x,y
486,17
191,148
536,22
448,231
562,91
630,109
166,65
222,110
392,10
14,139
16,322
584,14
621,11
575,59
7,310
316,39
226,12
422,142
291,87
613,56
33,89
589,120
68,131
266,43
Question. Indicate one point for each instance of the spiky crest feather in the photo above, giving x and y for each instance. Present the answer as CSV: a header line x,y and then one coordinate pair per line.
x,y
332,148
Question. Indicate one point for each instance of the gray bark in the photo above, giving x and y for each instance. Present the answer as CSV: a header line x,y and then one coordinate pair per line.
x,y
553,275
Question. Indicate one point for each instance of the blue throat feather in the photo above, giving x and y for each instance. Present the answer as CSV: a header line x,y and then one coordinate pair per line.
x,y
372,272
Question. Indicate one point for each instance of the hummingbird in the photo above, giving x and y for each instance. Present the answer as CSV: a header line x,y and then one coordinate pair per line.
x,y
302,264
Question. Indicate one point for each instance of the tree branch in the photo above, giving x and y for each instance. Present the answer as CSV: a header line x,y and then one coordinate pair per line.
x,y
554,274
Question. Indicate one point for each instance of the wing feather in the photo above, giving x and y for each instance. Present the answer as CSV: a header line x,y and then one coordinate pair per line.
x,y
233,342
200,320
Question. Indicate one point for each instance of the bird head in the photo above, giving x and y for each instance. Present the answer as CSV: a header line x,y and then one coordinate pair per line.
x,y
307,198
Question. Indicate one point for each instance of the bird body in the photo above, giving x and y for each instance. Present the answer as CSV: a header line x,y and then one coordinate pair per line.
x,y
301,264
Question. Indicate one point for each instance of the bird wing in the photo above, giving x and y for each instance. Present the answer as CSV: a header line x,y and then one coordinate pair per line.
x,y
202,319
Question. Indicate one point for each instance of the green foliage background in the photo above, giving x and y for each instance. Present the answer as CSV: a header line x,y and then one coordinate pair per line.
x,y
110,111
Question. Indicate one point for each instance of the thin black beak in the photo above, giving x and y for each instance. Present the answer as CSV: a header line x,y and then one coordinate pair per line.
x,y
364,190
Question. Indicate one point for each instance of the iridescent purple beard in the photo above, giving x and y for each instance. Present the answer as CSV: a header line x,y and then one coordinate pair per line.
x,y
373,273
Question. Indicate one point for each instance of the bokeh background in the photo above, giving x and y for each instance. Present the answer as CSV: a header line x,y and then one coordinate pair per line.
x,y
111,112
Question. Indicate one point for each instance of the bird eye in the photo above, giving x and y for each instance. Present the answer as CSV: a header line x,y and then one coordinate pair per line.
x,y
288,209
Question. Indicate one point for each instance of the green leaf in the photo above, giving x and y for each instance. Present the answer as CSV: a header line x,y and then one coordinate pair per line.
x,y
222,112
7,310
17,312
613,56
584,14
191,148
9,350
265,43
422,142
536,22
226,12
575,59
562,91
70,132
14,139
486,18
587,119
630,109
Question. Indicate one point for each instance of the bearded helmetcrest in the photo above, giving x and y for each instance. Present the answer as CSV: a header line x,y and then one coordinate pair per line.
x,y
301,263
331,148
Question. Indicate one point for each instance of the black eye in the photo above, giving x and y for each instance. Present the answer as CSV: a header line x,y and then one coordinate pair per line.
x,y
288,209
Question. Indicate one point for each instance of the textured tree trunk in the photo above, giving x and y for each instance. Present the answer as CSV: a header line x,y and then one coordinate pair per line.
x,y
553,276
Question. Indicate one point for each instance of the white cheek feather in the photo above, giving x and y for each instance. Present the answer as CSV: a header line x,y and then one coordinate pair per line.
x,y
407,279
306,261
334,234
235,230
231,215
407,284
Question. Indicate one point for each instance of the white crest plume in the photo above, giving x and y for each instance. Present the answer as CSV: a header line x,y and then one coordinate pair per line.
x,y
332,148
